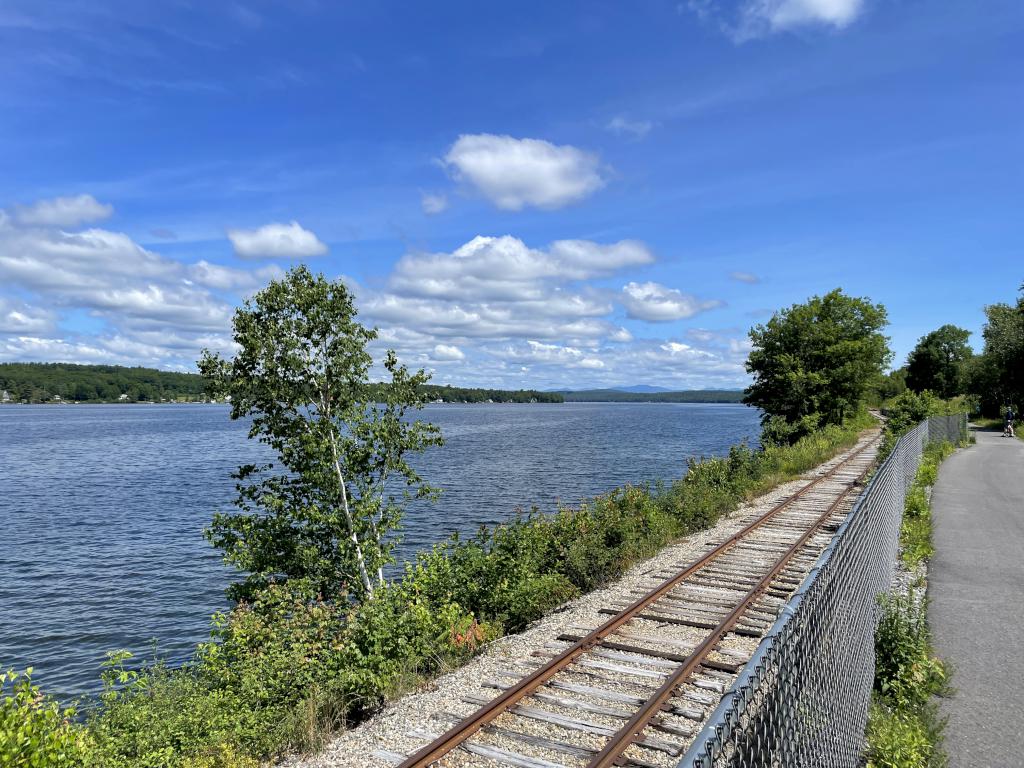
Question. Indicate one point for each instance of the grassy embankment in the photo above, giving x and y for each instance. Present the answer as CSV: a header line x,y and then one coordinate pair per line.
x,y
286,671
904,727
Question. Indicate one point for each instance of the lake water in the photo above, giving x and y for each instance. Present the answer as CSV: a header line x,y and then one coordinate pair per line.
x,y
102,507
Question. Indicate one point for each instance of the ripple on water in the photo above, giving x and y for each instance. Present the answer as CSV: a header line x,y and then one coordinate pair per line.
x,y
103,507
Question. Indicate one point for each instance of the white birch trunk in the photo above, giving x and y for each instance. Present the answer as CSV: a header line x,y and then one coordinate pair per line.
x,y
363,572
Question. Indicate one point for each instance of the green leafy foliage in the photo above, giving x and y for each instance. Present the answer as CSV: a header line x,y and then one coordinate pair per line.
x,y
815,363
996,376
916,527
45,382
36,732
907,675
904,730
302,376
904,739
939,362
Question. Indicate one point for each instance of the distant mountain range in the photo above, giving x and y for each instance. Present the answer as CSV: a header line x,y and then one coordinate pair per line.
x,y
641,388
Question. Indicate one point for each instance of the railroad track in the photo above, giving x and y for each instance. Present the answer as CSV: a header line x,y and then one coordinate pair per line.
x,y
635,690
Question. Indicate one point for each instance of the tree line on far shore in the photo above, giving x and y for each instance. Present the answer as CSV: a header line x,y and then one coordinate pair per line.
x,y
60,382
67,382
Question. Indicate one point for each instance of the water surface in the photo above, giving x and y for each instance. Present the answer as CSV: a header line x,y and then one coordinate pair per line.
x,y
102,506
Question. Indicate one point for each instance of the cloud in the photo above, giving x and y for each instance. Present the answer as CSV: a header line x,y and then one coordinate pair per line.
x,y
518,173
762,17
494,311
448,352
228,278
500,288
656,303
505,269
433,203
276,241
745,277
621,126
146,308
538,352
16,317
62,212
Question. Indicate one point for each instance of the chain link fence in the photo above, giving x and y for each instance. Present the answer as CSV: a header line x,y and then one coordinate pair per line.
x,y
802,700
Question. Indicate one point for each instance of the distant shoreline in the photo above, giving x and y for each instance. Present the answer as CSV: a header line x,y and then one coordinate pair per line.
x,y
63,383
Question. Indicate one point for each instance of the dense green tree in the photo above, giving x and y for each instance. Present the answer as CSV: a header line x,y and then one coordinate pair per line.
x,y
39,382
302,376
814,363
997,377
938,362
891,385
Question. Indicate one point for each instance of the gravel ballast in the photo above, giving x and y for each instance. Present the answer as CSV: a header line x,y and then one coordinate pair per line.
x,y
406,724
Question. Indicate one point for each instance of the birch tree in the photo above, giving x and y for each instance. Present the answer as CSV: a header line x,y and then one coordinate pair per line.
x,y
326,509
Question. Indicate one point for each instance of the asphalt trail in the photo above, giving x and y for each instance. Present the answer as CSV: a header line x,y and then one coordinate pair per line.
x,y
977,599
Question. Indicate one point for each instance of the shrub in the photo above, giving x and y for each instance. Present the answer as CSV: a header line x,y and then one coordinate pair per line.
x,y
34,731
906,672
904,729
902,739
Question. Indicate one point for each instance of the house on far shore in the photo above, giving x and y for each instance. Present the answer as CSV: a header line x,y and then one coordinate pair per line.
x,y
123,398
5,396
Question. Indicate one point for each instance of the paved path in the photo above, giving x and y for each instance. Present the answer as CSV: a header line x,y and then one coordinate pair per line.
x,y
977,599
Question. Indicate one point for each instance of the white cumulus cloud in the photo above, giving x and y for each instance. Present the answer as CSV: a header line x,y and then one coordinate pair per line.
x,y
448,352
229,278
657,303
506,269
760,17
62,211
16,317
150,309
276,241
517,173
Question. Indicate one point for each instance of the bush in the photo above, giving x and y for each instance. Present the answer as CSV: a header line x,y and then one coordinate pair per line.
x,y
904,730
906,672
902,739
34,731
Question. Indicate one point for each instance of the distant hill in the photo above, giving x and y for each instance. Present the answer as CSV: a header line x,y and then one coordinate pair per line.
x,y
665,396
641,388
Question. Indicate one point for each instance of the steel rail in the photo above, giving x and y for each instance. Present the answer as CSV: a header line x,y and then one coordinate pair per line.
x,y
463,730
633,730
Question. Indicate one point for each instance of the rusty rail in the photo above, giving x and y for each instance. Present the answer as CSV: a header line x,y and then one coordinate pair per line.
x,y
650,709
463,730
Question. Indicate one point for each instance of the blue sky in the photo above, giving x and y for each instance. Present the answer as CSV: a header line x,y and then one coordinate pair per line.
x,y
523,194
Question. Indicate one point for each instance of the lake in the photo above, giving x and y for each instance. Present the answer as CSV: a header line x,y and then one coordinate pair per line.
x,y
102,507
